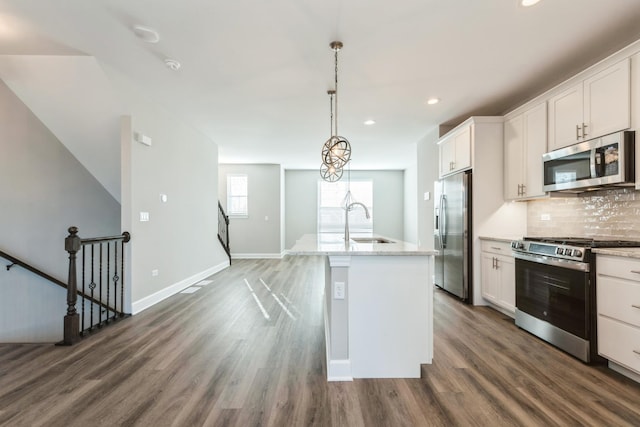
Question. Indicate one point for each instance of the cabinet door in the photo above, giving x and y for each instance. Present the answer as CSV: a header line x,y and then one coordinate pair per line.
x,y
489,277
447,155
462,142
607,101
565,115
535,145
513,157
506,268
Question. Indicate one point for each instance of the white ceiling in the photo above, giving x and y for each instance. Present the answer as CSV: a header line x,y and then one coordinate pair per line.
x,y
255,73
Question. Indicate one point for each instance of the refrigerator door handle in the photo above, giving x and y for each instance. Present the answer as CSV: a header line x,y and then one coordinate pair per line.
x,y
443,221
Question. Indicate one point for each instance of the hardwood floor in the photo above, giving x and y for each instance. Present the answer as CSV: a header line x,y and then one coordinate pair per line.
x,y
213,358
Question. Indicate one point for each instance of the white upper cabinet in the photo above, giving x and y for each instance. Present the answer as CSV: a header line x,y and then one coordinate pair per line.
x,y
597,106
455,151
525,141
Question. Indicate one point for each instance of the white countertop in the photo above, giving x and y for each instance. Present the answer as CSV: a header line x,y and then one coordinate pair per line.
x,y
333,244
500,239
622,252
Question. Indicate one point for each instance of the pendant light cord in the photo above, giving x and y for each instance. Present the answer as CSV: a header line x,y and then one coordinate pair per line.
x,y
336,89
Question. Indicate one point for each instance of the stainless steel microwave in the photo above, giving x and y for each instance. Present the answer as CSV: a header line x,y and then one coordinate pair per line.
x,y
608,160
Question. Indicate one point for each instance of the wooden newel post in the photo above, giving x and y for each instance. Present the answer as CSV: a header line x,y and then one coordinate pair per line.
x,y
72,321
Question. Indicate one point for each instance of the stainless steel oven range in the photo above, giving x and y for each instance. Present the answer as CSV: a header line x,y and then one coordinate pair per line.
x,y
556,289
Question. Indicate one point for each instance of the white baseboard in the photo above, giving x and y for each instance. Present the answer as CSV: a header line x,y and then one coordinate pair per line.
x,y
257,256
153,299
624,371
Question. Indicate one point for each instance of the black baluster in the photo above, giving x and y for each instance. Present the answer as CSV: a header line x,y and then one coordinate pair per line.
x,y
92,286
100,290
108,276
115,279
83,289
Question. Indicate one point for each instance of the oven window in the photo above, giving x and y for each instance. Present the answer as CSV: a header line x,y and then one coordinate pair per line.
x,y
554,294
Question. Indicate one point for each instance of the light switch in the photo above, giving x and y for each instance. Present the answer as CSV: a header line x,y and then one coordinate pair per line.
x,y
163,198
427,195
144,216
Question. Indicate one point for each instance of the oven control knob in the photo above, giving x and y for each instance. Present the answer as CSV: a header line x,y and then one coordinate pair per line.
x,y
568,252
577,253
559,251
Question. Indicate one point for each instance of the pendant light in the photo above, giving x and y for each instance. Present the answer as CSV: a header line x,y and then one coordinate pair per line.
x,y
329,172
336,151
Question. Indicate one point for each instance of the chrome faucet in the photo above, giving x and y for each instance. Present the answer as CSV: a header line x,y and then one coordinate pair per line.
x,y
346,219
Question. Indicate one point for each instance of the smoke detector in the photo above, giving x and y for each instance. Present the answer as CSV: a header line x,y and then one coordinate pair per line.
x,y
146,34
172,64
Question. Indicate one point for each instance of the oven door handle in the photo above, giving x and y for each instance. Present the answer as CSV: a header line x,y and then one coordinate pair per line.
x,y
557,262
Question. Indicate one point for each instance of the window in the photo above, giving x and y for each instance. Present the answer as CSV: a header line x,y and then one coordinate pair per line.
x,y
331,206
237,195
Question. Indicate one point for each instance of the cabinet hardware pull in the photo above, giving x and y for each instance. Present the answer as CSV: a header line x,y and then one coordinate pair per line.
x,y
636,352
584,131
635,271
524,191
496,248
635,306
577,132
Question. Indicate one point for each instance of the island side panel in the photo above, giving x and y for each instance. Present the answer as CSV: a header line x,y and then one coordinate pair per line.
x,y
390,315
337,318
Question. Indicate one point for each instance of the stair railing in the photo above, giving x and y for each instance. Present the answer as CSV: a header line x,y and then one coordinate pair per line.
x,y
223,230
103,264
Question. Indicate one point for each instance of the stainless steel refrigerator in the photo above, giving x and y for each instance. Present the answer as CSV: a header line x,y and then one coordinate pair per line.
x,y
452,233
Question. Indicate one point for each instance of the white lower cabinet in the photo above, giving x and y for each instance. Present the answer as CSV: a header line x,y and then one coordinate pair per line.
x,y
498,275
618,301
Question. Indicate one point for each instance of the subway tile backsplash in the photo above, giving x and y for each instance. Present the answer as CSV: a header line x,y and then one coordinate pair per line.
x,y
611,213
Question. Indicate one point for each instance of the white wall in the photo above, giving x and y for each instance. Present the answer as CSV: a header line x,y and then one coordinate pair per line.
x,y
427,175
180,239
43,191
260,234
301,201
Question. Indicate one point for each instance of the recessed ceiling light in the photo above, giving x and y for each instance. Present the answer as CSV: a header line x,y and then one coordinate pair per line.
x,y
433,101
147,34
369,122
527,3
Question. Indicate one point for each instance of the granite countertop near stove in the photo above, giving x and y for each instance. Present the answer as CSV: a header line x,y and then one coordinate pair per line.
x,y
507,239
333,244
621,252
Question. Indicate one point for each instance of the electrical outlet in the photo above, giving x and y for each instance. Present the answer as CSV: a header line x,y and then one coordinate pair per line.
x,y
154,272
338,290
545,217
144,216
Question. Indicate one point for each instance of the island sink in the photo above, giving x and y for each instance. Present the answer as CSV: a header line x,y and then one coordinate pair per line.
x,y
371,240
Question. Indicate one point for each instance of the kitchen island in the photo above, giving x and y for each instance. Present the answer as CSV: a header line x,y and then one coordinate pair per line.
x,y
378,305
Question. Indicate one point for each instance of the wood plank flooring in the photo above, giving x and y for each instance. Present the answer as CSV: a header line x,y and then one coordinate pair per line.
x,y
212,358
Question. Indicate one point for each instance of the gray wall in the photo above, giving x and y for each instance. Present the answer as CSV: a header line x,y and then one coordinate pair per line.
x,y
180,239
260,234
301,200
427,175
43,191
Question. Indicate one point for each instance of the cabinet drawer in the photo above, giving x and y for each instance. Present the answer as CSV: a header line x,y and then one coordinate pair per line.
x,y
619,299
624,268
619,342
502,248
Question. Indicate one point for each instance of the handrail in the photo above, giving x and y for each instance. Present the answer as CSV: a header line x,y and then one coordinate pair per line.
x,y
223,230
34,270
44,275
125,237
